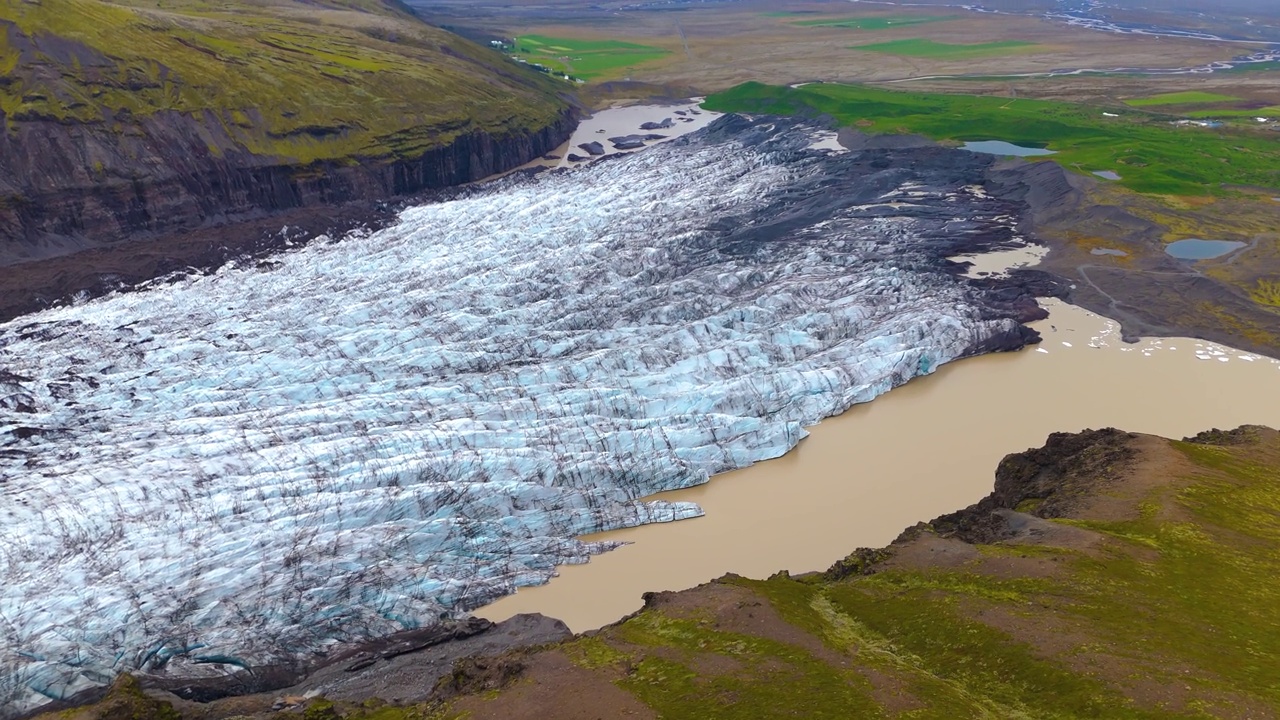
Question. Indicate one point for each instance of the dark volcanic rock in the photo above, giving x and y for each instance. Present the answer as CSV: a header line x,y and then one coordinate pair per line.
x,y
196,210
1243,435
1054,478
412,677
666,123
574,157
169,181
592,148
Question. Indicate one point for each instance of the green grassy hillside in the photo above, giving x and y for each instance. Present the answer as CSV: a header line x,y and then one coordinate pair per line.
x,y
1150,154
297,80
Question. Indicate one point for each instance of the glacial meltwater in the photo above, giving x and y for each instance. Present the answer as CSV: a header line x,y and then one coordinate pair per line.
x,y
920,451
1000,147
260,465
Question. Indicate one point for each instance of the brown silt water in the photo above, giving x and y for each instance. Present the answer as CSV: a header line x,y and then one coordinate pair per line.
x,y
924,449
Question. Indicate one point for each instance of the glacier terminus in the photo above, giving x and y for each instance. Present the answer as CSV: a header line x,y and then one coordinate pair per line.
x,y
260,464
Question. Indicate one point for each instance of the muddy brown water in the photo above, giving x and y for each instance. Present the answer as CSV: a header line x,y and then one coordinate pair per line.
x,y
927,448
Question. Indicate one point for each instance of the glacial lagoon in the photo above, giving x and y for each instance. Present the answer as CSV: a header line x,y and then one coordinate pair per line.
x,y
924,449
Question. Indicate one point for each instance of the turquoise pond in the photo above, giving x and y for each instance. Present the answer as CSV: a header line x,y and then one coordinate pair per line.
x,y
1000,147
1197,249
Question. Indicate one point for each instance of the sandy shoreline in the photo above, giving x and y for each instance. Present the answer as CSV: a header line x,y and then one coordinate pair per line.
x,y
922,450
620,120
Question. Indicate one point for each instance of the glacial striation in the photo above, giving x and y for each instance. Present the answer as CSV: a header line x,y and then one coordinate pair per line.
x,y
265,464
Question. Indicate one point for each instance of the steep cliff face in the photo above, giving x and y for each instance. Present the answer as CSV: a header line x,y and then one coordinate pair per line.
x,y
178,184
135,120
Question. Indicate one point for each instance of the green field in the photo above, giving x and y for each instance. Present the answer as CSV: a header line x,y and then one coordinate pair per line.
x,y
875,23
1271,111
1191,97
1151,155
922,47
584,59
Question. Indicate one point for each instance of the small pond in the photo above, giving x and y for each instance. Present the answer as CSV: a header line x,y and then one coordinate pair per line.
x,y
1197,249
1107,174
1000,147
1108,251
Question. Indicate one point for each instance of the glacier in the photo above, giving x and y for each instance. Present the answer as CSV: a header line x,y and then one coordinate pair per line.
x,y
260,464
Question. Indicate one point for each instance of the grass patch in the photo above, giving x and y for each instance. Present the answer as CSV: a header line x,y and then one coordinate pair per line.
x,y
586,59
763,675
1151,155
921,47
1180,98
875,23
1269,111
1266,292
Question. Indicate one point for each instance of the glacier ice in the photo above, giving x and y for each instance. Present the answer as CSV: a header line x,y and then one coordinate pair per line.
x,y
255,465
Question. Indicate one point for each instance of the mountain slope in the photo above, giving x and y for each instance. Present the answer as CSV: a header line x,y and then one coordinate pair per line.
x,y
141,117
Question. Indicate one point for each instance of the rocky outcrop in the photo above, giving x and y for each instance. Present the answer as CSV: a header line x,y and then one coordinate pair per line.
x,y
1047,482
176,173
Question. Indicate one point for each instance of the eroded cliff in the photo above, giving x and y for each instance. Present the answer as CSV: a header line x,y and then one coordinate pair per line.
x,y
137,120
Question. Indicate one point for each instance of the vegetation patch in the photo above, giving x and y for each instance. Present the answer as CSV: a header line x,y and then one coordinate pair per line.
x,y
585,59
673,679
1180,98
925,48
1266,292
1268,111
1151,155
882,22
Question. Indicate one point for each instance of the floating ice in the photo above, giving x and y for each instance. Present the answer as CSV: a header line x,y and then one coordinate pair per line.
x,y
361,436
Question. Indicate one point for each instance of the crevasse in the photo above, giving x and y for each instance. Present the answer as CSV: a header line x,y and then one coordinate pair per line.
x,y
364,435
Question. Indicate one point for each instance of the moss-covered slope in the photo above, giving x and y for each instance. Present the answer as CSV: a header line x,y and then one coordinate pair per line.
x,y
150,106
296,80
